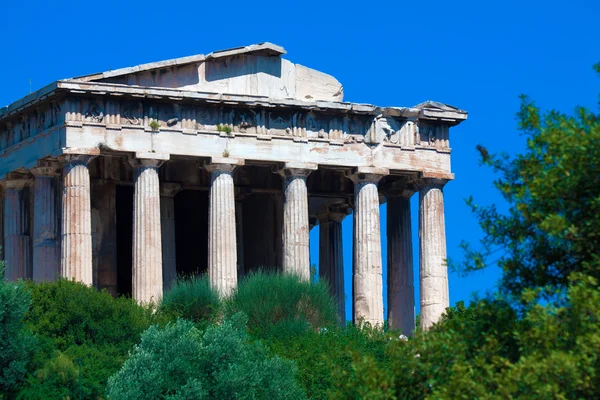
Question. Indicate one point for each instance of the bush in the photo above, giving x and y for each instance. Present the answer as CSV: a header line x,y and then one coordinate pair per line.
x,y
491,348
192,299
76,323
320,353
72,313
281,305
181,362
16,344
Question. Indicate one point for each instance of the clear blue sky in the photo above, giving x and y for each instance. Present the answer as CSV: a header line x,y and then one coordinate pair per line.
x,y
477,55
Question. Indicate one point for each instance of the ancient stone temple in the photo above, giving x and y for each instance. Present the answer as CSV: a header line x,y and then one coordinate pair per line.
x,y
221,164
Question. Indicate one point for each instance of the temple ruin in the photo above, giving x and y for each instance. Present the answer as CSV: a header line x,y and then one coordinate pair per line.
x,y
222,163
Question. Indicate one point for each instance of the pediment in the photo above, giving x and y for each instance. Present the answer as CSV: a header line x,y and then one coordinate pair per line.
x,y
256,70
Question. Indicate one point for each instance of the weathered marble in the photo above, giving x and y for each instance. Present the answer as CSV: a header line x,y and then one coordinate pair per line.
x,y
222,247
401,296
46,227
147,273
331,257
367,278
296,252
76,243
17,228
246,103
434,269
167,224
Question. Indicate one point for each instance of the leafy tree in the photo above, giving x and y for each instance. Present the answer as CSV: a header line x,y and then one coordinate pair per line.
x,y
181,362
552,227
16,343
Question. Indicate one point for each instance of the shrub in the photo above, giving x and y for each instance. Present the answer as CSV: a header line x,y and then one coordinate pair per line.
x,y
16,344
318,354
181,362
282,304
192,299
76,324
72,313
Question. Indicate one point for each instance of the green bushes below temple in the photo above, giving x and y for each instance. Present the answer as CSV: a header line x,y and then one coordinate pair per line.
x,y
61,339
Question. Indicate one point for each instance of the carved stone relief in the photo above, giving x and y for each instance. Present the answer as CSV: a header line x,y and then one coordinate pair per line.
x,y
94,113
133,113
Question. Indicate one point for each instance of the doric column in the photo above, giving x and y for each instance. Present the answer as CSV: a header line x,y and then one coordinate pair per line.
x,y
367,274
222,247
401,296
76,243
331,261
46,231
147,272
17,250
167,227
296,252
432,236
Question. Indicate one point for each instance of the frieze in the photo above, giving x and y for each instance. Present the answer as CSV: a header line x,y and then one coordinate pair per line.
x,y
27,125
265,122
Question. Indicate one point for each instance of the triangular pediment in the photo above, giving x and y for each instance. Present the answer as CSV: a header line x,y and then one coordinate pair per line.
x,y
257,70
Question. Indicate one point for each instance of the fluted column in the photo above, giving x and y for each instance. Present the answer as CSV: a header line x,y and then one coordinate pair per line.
x,y
331,261
147,271
222,238
433,268
17,250
296,251
46,231
401,296
167,226
76,232
367,274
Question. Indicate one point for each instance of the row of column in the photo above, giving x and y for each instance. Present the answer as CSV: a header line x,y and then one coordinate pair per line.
x,y
153,236
367,282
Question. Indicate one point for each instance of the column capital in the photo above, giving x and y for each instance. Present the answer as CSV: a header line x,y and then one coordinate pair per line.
x,y
223,164
17,180
368,174
154,160
78,156
46,168
169,189
427,183
297,169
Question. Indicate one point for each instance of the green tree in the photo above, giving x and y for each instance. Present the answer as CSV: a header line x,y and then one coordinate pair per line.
x,y
552,227
181,362
16,343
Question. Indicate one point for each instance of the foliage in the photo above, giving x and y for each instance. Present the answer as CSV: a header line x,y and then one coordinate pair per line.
x,y
224,128
282,304
16,343
181,362
73,313
319,354
552,227
154,125
76,323
489,350
193,299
